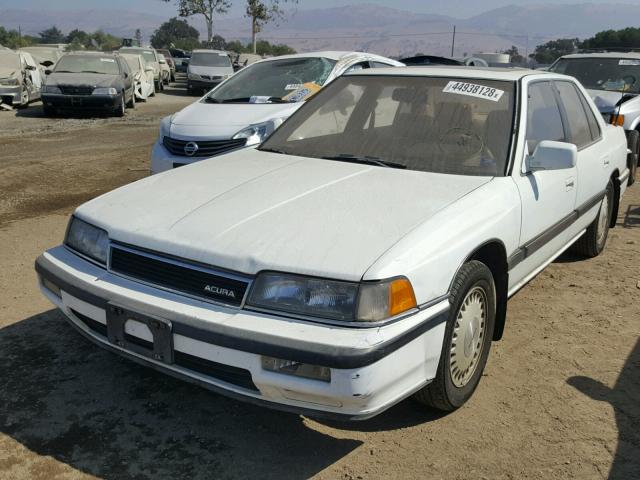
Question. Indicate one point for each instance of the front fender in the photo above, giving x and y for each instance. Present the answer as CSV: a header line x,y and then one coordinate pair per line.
x,y
431,254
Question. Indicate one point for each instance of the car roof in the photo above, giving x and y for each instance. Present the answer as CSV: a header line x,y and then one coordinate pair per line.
x,y
604,55
92,53
487,73
330,54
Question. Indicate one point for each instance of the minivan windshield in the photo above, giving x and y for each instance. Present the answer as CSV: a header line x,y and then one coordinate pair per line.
x,y
431,124
273,79
602,73
210,59
148,55
87,64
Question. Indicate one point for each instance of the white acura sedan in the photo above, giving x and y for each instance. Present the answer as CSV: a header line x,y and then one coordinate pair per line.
x,y
243,110
364,253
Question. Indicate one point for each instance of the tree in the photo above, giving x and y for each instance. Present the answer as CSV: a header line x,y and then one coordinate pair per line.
x,y
78,39
550,51
174,32
514,54
207,8
262,12
105,41
613,39
14,39
52,35
138,37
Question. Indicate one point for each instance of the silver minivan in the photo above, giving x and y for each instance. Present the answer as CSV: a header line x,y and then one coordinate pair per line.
x,y
207,68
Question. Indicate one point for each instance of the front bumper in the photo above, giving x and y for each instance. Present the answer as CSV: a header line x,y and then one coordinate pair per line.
x,y
81,102
203,84
371,368
12,93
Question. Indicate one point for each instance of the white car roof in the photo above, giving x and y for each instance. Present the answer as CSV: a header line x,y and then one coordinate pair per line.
x,y
331,55
206,50
487,73
604,55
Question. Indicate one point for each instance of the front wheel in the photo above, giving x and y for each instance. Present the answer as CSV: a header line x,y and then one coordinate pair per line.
x,y
119,112
132,103
467,339
592,243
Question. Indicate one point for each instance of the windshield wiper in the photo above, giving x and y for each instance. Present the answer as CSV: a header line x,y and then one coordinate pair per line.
x,y
367,160
244,100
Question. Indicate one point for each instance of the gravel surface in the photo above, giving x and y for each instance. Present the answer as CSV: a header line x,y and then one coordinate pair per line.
x,y
560,397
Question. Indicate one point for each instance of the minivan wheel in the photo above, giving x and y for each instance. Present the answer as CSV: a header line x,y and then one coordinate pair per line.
x,y
132,102
467,339
592,243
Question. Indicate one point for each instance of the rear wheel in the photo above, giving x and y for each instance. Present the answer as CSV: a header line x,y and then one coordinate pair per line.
x,y
467,339
592,243
633,143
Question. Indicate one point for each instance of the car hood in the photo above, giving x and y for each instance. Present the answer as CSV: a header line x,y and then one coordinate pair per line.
x,y
93,79
6,72
250,211
212,120
215,71
605,101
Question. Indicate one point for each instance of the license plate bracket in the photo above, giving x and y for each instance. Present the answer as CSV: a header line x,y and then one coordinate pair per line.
x,y
161,349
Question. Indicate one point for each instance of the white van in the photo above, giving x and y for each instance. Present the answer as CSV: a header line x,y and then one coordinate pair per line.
x,y
207,68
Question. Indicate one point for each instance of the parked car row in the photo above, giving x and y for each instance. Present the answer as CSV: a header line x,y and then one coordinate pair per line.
x,y
354,234
20,78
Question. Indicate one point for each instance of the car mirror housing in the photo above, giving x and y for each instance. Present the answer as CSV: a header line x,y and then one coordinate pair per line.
x,y
550,155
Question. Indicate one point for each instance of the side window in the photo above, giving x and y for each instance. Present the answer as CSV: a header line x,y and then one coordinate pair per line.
x,y
544,121
578,125
380,65
594,126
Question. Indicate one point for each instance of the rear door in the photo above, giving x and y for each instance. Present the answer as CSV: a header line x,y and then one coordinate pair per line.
x,y
548,196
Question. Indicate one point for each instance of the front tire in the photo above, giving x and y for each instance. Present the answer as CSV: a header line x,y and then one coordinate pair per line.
x,y
592,243
132,102
467,339
633,143
121,107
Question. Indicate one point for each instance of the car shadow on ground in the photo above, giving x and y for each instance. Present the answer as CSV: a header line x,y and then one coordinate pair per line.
x,y
64,397
624,397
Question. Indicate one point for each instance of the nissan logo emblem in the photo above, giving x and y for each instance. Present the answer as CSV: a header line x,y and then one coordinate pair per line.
x,y
190,149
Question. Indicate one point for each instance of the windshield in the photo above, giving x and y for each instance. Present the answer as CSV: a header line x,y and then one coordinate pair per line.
x,y
87,64
210,59
10,60
274,79
148,55
442,125
612,74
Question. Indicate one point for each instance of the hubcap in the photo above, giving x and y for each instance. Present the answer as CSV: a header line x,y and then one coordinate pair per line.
x,y
603,219
468,337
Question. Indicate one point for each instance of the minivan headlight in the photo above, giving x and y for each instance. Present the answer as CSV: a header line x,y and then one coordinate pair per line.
x,y
51,89
332,299
87,240
258,133
193,76
9,81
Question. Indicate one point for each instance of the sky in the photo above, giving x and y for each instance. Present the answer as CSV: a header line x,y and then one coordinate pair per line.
x,y
454,8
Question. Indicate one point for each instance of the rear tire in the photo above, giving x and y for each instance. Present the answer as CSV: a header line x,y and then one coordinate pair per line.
x,y
467,339
633,143
592,243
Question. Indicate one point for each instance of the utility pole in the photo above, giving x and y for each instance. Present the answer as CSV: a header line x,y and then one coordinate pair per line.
x,y
453,40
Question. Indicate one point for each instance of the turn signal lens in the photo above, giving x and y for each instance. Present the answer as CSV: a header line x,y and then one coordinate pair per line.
x,y
401,297
617,120
382,300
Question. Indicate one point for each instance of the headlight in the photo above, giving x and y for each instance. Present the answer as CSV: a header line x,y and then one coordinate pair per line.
x,y
193,76
104,91
51,89
165,127
332,299
259,132
9,81
88,240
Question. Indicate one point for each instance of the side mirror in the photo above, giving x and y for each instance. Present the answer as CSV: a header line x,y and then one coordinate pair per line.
x,y
162,62
126,75
48,72
149,69
550,155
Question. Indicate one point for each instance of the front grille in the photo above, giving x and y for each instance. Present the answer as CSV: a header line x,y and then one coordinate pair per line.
x,y
179,276
204,148
210,77
97,327
76,90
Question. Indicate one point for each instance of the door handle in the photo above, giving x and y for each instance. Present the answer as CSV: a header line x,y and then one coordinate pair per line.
x,y
570,183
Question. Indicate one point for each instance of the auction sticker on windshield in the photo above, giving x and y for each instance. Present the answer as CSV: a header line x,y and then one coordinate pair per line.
x,y
629,62
474,90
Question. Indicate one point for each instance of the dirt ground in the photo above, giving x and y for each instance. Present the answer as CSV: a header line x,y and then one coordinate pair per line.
x,y
560,397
